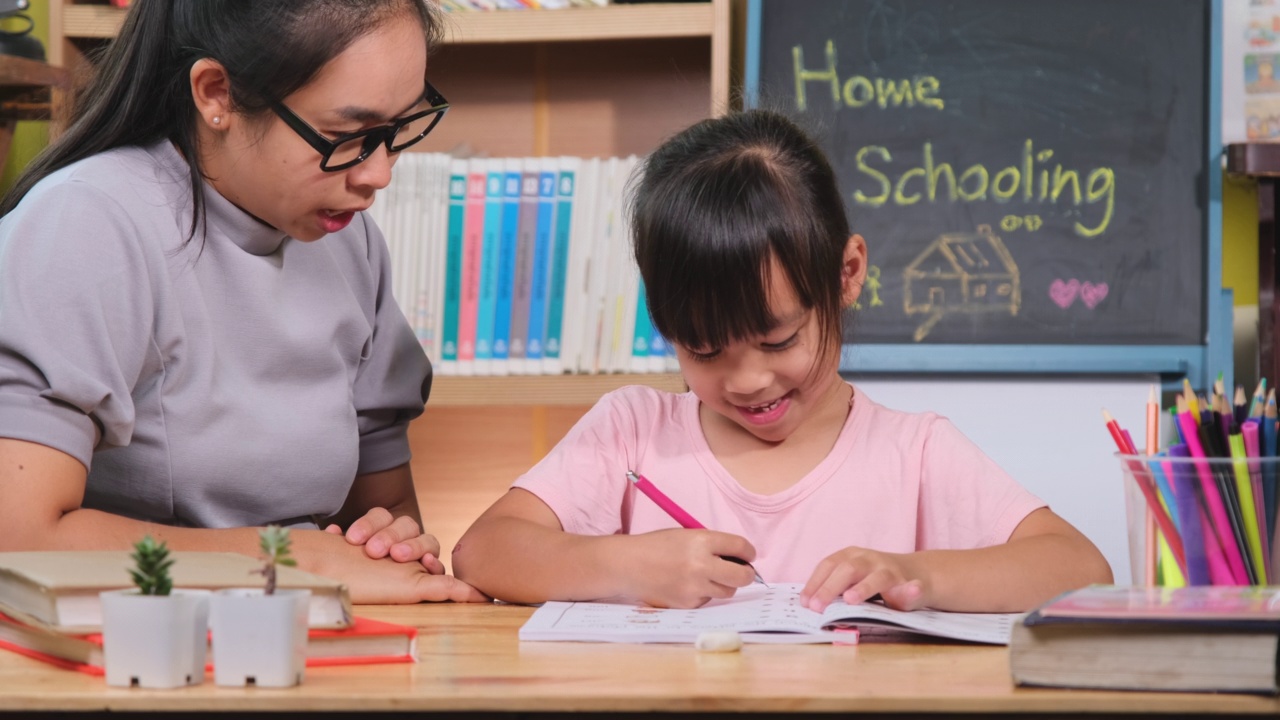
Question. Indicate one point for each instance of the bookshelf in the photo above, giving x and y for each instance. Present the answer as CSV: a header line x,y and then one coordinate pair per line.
x,y
582,81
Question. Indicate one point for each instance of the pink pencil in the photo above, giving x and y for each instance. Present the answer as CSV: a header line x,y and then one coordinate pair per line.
x,y
1217,512
678,513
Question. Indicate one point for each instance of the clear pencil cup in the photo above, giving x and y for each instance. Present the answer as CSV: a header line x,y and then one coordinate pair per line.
x,y
1201,521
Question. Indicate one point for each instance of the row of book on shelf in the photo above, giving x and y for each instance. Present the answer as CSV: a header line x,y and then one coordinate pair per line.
x,y
510,266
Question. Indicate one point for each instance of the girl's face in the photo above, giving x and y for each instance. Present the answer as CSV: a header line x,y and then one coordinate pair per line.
x,y
272,173
770,386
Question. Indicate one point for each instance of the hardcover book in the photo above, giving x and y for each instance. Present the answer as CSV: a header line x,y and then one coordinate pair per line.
x,y
1194,639
59,589
366,641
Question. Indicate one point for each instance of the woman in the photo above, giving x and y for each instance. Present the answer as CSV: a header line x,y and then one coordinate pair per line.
x,y
197,332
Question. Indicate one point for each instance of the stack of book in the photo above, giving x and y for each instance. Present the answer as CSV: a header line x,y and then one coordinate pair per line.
x,y
49,607
1195,639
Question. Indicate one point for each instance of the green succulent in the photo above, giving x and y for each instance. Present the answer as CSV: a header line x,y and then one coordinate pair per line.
x,y
274,542
151,573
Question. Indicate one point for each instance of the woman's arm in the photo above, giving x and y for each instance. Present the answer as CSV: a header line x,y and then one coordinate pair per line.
x,y
518,552
41,490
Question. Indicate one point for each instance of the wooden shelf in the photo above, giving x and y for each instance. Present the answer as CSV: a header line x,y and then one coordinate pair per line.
x,y
613,22
457,390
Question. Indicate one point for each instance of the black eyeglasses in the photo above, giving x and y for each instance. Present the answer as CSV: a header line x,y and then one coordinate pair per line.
x,y
348,150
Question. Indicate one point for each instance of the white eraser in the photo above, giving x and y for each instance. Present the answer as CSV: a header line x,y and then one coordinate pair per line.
x,y
719,641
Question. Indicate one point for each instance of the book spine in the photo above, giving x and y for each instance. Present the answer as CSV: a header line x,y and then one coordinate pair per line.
x,y
506,266
565,183
453,266
641,335
486,313
473,244
541,262
525,232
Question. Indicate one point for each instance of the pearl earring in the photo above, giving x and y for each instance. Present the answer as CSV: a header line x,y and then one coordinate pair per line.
x,y
217,119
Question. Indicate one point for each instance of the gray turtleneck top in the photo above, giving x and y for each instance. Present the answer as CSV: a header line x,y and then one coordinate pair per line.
x,y
240,378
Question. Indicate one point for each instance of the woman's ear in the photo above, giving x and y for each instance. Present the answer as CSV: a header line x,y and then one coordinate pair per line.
x,y
853,270
211,93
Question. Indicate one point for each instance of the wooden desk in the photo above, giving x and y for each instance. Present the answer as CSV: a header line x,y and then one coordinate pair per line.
x,y
25,91
472,661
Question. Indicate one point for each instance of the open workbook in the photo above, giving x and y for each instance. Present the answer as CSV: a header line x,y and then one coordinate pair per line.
x,y
759,614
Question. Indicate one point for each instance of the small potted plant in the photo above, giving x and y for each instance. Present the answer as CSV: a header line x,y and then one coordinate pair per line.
x,y
154,636
260,634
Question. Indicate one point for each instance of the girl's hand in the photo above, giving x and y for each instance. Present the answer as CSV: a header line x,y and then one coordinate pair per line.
x,y
685,568
399,538
858,574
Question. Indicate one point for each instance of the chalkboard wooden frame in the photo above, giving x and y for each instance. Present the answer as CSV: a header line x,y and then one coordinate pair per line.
x,y
1199,362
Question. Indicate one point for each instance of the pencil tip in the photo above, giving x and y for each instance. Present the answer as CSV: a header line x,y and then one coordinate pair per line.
x,y
1106,416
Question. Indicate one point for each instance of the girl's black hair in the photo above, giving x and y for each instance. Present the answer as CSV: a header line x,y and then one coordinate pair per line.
x,y
141,91
714,206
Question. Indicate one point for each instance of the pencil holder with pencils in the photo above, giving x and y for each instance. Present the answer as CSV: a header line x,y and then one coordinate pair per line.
x,y
1203,516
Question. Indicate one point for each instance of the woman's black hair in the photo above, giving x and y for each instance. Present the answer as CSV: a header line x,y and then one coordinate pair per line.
x,y
141,90
715,206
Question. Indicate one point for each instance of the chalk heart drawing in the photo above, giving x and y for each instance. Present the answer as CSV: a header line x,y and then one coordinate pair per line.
x,y
1091,294
1063,292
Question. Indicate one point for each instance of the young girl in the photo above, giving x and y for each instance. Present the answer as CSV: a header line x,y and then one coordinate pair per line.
x,y
748,260
197,332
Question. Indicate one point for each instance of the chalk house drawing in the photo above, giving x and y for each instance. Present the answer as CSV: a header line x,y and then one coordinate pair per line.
x,y
961,273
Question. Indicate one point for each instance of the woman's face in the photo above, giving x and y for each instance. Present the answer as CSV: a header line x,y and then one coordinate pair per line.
x,y
269,171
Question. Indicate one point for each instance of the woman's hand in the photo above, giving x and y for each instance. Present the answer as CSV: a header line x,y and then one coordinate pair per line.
x,y
380,581
857,574
383,535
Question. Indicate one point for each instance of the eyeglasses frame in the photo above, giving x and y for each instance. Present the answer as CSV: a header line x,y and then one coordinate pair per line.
x,y
373,137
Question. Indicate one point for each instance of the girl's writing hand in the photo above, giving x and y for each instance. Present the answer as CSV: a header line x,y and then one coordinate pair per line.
x,y
858,574
399,538
686,568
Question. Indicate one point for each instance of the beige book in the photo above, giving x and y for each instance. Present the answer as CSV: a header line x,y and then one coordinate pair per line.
x,y
59,589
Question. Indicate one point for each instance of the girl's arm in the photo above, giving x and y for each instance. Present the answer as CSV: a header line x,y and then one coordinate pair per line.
x,y
517,551
41,490
1044,557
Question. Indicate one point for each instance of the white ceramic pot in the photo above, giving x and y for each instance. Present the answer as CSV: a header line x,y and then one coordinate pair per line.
x,y
155,641
259,639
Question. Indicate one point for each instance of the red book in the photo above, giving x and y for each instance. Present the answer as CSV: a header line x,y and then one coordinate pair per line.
x,y
367,641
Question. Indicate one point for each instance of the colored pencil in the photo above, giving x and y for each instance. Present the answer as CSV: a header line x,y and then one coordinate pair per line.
x,y
1190,524
1252,447
1143,480
1248,514
1217,512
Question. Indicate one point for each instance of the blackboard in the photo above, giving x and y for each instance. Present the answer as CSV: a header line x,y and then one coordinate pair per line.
x,y
1025,172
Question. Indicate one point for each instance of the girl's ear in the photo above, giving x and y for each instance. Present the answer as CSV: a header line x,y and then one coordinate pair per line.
x,y
853,270
211,92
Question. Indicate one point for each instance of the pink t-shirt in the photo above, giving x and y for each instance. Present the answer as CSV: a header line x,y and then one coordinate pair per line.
x,y
894,481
